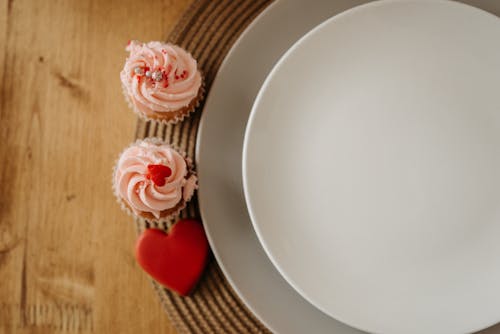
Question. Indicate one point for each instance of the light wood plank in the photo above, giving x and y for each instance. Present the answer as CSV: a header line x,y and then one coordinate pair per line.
x,y
66,249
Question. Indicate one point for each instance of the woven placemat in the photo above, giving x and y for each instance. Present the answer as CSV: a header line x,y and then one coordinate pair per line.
x,y
208,29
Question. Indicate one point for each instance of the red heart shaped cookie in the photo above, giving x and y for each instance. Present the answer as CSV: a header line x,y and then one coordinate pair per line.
x,y
175,260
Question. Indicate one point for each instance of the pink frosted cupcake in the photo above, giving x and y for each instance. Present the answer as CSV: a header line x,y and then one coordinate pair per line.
x,y
153,180
161,81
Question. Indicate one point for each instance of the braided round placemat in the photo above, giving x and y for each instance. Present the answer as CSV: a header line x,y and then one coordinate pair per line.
x,y
208,29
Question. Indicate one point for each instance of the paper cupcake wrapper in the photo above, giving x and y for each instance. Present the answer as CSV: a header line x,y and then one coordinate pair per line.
x,y
171,217
178,118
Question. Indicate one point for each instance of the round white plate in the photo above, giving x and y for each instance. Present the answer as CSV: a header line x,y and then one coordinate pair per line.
x,y
371,167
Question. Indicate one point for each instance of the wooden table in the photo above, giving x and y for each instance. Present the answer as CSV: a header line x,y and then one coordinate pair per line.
x,y
66,248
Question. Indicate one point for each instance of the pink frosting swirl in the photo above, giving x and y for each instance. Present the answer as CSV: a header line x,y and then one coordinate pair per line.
x,y
134,185
159,77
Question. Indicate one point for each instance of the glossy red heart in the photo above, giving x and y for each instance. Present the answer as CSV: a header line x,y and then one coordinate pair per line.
x,y
175,260
158,173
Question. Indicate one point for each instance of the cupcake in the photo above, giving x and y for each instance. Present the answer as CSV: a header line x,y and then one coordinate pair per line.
x,y
153,180
161,81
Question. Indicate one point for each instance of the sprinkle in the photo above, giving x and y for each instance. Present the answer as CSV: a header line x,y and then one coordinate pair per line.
x,y
158,174
157,76
139,70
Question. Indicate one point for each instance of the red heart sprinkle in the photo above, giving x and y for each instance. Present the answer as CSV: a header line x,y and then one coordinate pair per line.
x,y
158,174
175,260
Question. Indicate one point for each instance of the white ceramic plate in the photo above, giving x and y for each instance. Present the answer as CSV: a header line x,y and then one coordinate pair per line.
x,y
371,167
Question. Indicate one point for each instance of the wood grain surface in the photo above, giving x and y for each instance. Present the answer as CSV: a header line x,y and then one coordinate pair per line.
x,y
66,248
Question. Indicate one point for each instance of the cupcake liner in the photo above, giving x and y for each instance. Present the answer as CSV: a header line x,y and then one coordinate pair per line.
x,y
171,216
182,113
